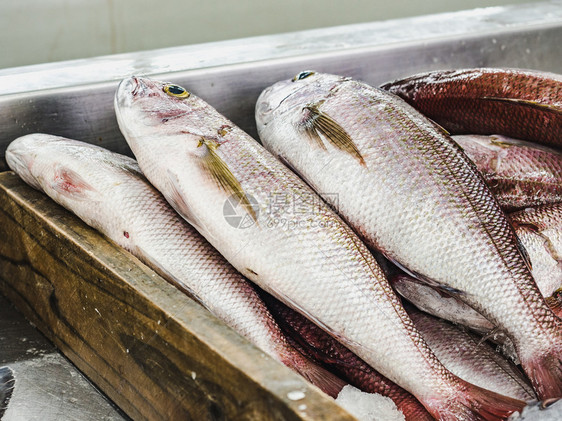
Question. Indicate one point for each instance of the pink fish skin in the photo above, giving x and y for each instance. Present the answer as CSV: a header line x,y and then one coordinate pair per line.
x,y
540,231
519,173
523,104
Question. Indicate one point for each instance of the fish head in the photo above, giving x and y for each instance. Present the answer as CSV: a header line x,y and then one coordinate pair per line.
x,y
288,97
23,156
157,108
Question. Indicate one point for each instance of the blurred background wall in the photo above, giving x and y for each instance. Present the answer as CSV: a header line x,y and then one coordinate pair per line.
x,y
38,31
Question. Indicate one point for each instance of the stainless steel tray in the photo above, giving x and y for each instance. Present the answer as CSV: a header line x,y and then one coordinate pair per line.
x,y
75,98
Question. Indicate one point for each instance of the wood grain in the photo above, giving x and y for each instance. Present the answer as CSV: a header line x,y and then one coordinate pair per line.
x,y
155,352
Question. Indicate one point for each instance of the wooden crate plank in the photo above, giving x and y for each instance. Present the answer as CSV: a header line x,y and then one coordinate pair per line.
x,y
154,351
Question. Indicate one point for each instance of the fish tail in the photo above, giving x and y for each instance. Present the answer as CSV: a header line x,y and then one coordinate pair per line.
x,y
7,382
474,403
329,383
544,369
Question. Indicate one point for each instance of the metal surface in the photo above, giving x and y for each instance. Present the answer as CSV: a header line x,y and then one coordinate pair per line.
x,y
47,387
75,98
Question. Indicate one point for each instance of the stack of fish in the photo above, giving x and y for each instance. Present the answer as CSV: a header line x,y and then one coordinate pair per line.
x,y
349,170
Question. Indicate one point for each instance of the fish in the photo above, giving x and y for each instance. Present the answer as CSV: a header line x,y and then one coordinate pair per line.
x,y
7,383
291,243
109,192
540,231
471,358
314,342
520,174
440,304
522,104
417,198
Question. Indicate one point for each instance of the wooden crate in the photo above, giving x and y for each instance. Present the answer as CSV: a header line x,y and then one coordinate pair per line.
x,y
154,351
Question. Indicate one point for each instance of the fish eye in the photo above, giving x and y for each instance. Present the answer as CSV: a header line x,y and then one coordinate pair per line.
x,y
303,75
176,90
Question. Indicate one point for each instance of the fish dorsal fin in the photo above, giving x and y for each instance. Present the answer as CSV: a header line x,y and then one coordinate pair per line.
x,y
67,182
440,128
215,166
318,122
527,103
555,302
524,252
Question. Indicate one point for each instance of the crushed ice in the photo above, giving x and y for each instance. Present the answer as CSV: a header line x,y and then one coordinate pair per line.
x,y
368,406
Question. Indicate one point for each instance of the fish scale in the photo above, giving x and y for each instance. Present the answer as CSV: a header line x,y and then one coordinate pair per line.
x,y
420,201
520,174
523,104
119,202
313,261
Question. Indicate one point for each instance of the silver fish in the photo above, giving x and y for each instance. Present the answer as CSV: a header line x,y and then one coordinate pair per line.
x,y
410,192
292,244
472,359
108,192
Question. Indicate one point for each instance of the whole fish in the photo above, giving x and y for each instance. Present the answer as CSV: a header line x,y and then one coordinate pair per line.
x,y
540,231
522,104
108,192
472,359
520,174
285,238
7,382
317,344
410,192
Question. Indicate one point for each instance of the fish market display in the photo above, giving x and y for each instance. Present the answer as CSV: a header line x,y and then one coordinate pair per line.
x,y
521,104
410,192
540,231
285,239
109,193
472,359
317,344
519,174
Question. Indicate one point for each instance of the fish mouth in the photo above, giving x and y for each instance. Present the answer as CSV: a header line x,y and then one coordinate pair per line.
x,y
272,98
21,162
130,89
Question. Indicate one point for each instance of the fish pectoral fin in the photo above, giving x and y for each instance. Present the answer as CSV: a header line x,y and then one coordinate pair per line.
x,y
526,103
317,122
218,170
67,182
524,252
